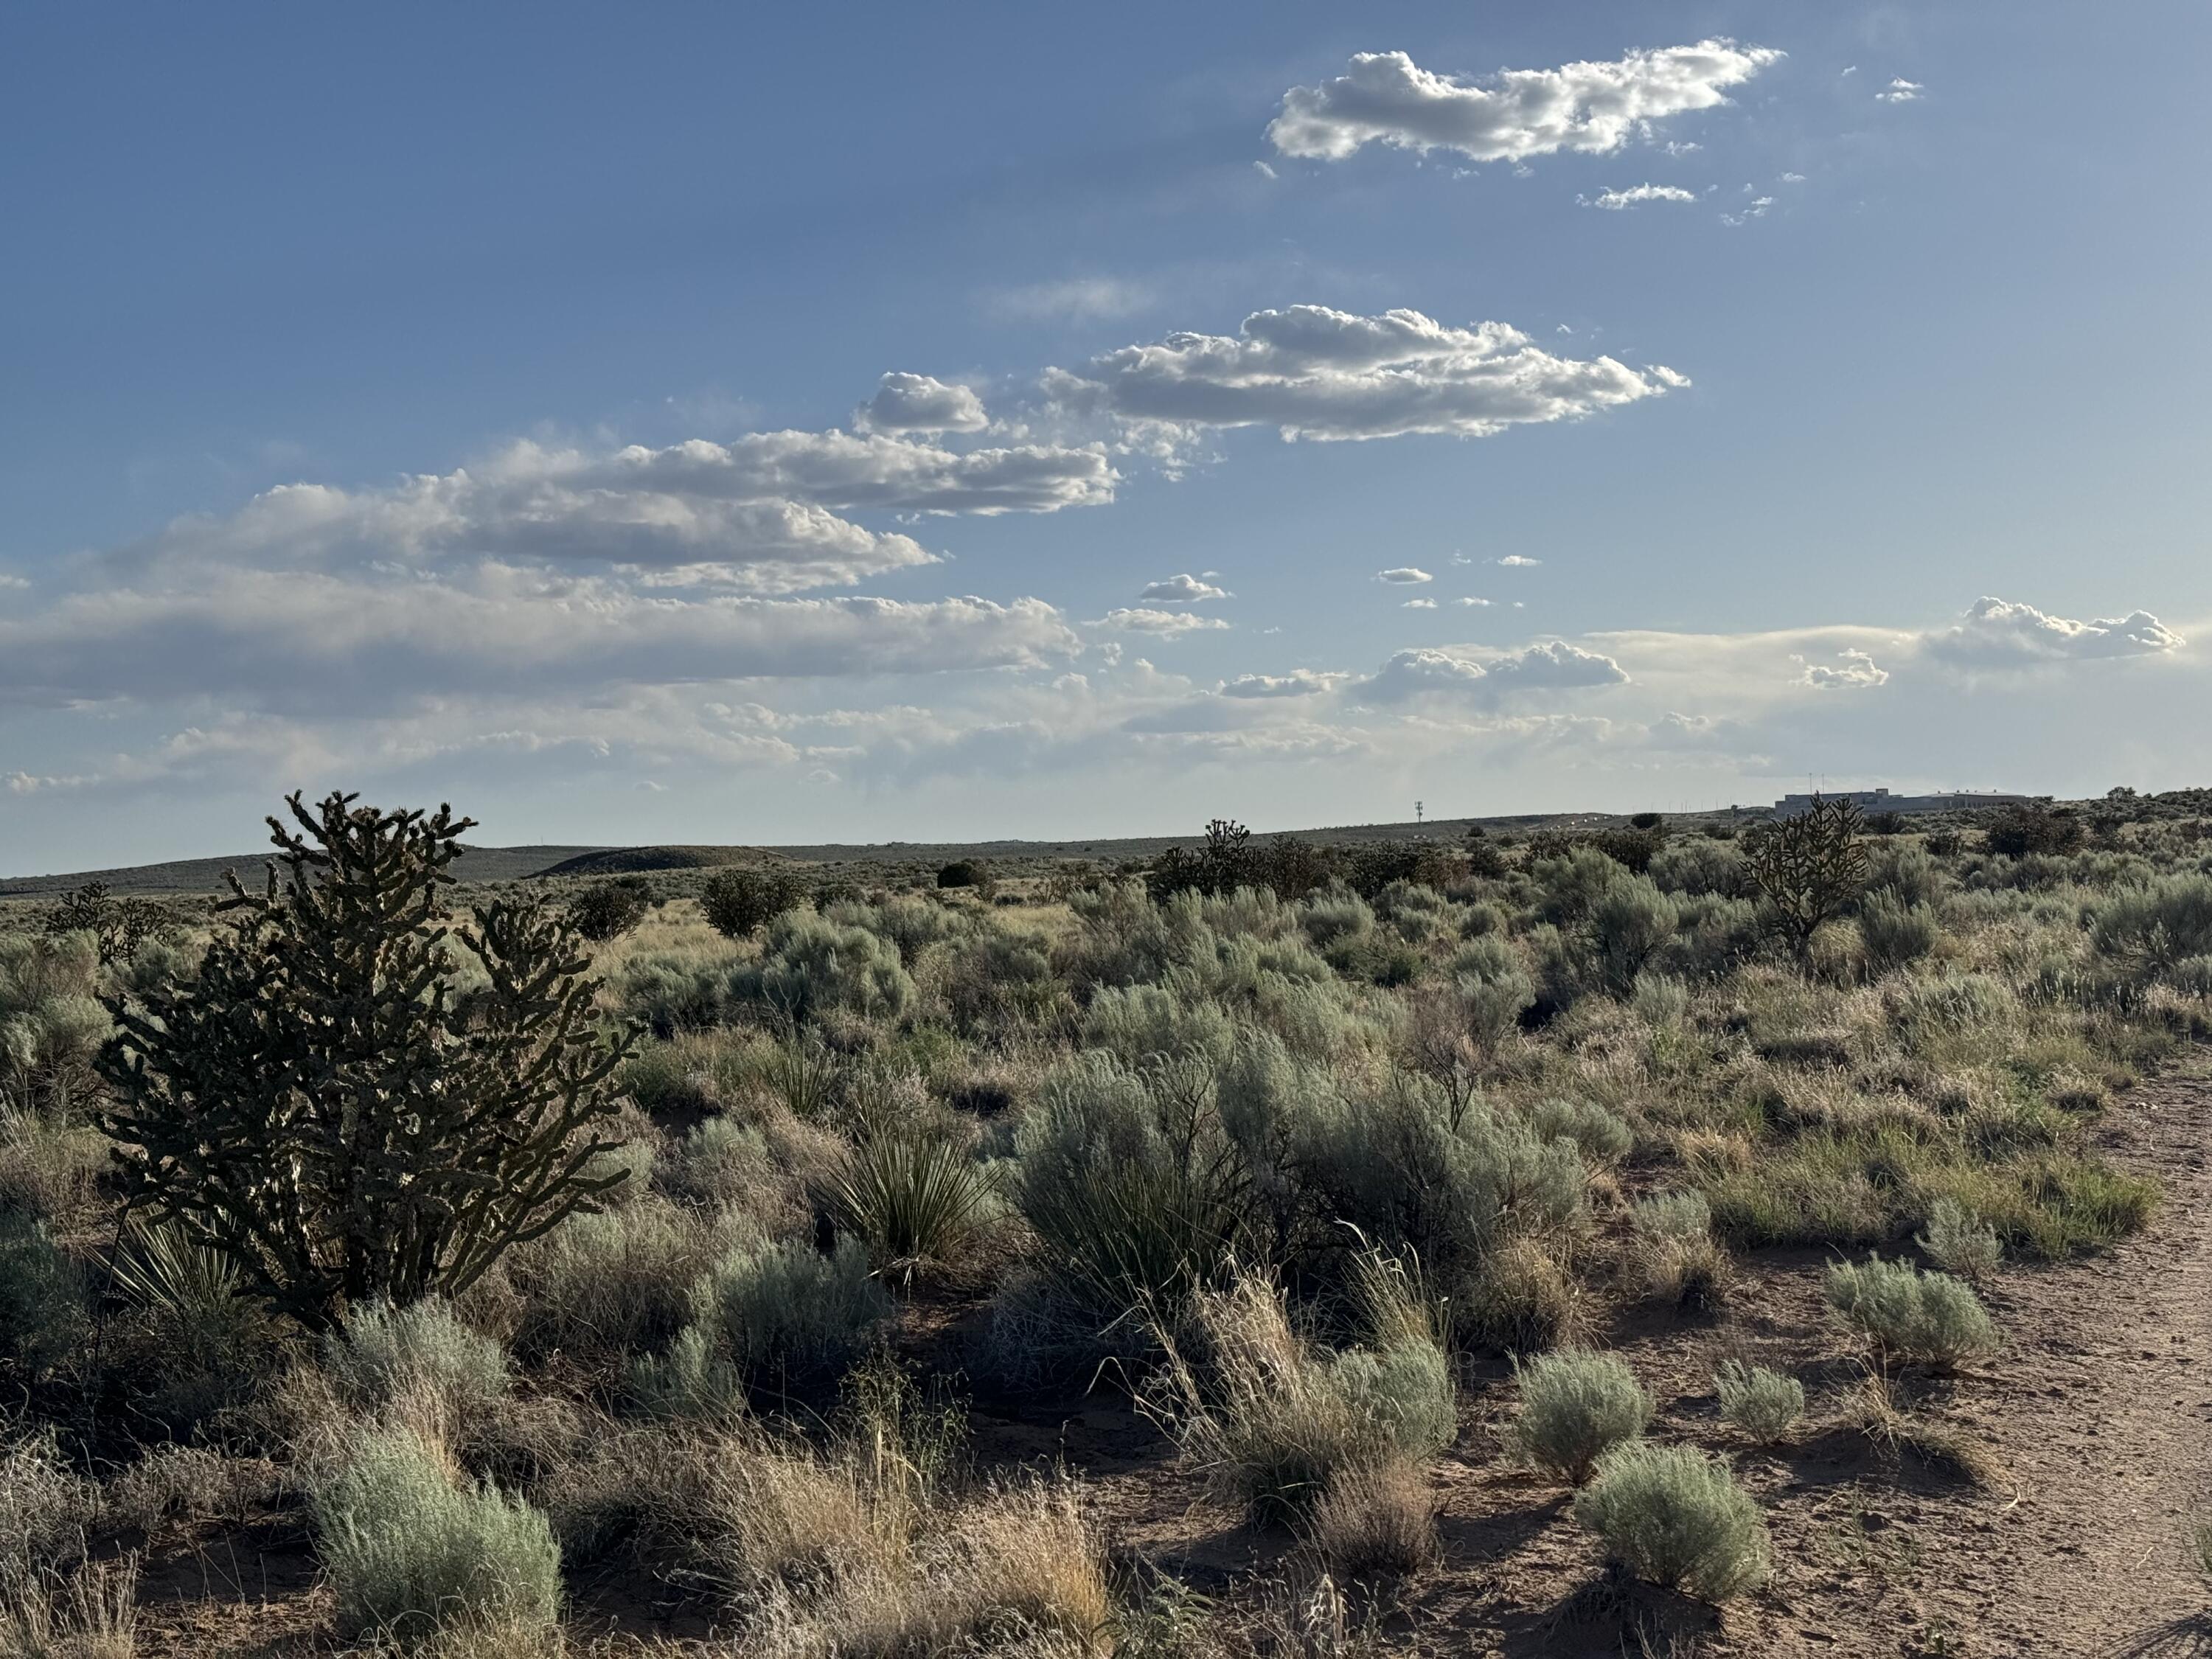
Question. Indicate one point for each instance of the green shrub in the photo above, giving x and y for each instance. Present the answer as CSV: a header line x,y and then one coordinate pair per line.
x,y
738,903
1764,1404
44,1314
786,1315
609,909
332,1105
1575,1405
1671,1215
966,873
916,1198
2157,924
811,966
1921,1318
1895,933
1131,1182
1600,1136
1676,1517
1629,925
386,1354
1960,1241
410,1554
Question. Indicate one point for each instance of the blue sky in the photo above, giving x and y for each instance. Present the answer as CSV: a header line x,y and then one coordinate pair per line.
x,y
489,404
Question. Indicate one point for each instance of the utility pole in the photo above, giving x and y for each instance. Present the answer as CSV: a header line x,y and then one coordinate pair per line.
x,y
1418,810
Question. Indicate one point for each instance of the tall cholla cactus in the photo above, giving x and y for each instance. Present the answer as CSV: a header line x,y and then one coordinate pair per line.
x,y
322,1107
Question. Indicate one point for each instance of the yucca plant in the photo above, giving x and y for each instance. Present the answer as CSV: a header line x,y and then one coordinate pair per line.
x,y
916,1200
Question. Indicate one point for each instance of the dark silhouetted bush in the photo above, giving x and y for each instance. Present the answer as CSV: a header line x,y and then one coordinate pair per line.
x,y
739,903
608,910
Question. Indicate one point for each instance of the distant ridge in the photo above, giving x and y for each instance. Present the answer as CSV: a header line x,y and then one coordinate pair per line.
x,y
185,877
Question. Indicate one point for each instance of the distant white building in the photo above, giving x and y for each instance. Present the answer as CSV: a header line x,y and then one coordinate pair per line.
x,y
1881,800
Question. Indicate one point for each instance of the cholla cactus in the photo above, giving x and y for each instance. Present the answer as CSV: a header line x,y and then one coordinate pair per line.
x,y
323,1108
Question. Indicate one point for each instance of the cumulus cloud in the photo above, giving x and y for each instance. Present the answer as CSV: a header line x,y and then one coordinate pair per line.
x,y
1298,683
1519,562
1404,574
916,402
1470,601
1384,97
1320,374
1165,623
1553,665
1185,589
1899,92
1419,604
1852,670
1615,200
1999,633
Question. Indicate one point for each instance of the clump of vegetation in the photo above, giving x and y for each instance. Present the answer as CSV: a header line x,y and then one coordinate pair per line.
x,y
1676,1517
608,909
917,1200
1575,1405
1960,1241
1912,1316
738,902
411,1553
1764,1404
1808,868
323,1106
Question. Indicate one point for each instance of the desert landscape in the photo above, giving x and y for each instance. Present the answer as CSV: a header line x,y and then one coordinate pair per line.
x,y
1785,1236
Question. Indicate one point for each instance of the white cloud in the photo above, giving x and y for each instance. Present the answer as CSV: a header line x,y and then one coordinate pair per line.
x,y
1518,561
1075,299
1853,671
1552,666
1404,574
1386,98
1419,604
1185,589
916,402
1472,602
1298,683
1793,178
1165,623
1998,633
1900,92
1755,208
1263,170
1320,374
1636,195
9,581
368,644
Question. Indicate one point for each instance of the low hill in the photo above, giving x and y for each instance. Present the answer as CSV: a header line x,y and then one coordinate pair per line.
x,y
184,877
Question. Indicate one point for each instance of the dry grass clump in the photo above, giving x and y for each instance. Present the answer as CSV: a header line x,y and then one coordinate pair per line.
x,y
90,1612
1911,1316
1684,1265
1522,1299
1674,1516
860,1550
608,1284
191,1484
1575,1405
1874,1410
1276,1422
1764,1404
420,1354
1378,1520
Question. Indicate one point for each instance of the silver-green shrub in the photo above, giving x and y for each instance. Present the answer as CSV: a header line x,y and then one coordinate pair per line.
x,y
811,966
1895,933
1574,1407
1676,1517
1922,1318
384,1354
787,1316
1602,1137
1960,1241
1764,1404
409,1553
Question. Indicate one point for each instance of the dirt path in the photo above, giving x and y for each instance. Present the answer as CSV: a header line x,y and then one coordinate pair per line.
x,y
2102,1408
